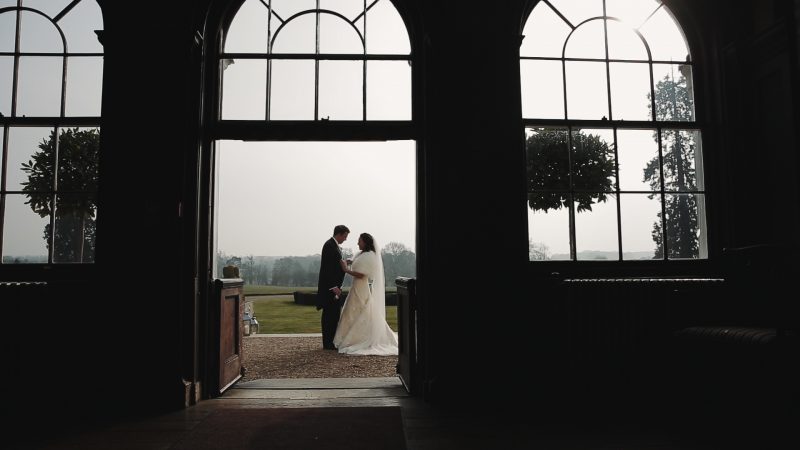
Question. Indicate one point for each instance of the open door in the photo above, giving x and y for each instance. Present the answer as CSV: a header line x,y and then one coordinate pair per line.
x,y
225,358
409,363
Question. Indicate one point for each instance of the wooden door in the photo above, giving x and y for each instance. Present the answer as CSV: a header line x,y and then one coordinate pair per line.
x,y
226,356
408,359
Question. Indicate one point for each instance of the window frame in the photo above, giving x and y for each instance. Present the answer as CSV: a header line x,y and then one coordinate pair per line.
x,y
215,129
613,125
57,124
317,129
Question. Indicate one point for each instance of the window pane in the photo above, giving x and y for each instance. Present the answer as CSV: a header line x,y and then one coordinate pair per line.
x,y
596,232
84,86
684,234
623,43
292,90
49,7
78,154
639,214
592,162
79,27
298,35
74,241
548,233
576,11
587,91
630,91
40,80
277,179
545,33
248,30
287,8
24,151
38,34
244,89
632,12
702,227
665,37
542,89
338,36
23,232
348,8
588,41
8,30
674,92
388,90
6,84
639,168
386,31
547,165
341,90
680,153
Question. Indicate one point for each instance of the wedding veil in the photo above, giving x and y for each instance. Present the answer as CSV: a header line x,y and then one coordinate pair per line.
x,y
379,285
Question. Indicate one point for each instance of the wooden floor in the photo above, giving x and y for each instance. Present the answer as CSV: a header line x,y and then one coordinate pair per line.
x,y
426,426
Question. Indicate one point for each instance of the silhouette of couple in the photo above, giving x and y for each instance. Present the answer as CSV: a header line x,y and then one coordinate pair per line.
x,y
355,325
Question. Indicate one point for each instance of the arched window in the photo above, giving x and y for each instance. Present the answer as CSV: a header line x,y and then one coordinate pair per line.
x,y
316,60
313,96
51,65
614,152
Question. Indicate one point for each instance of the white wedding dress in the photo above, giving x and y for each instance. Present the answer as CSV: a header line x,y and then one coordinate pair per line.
x,y
363,329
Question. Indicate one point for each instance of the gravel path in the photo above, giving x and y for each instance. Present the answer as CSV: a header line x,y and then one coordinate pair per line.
x,y
268,356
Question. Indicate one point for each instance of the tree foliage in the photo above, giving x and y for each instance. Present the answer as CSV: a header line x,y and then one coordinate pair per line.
x,y
285,272
398,261
673,100
538,251
78,152
552,159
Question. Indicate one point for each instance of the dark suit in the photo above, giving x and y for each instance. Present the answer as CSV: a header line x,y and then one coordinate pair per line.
x,y
330,275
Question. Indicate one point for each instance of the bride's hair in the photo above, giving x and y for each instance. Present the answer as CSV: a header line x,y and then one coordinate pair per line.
x,y
369,242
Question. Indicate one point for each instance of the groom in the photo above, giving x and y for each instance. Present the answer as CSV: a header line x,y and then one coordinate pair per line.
x,y
329,287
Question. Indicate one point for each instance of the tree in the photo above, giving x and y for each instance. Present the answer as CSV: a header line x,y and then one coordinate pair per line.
x,y
78,151
249,269
312,273
398,261
589,162
538,251
673,101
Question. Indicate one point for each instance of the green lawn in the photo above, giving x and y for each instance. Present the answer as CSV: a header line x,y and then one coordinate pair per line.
x,y
279,314
261,289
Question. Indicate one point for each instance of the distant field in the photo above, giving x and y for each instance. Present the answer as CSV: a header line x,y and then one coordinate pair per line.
x,y
288,290
272,290
278,313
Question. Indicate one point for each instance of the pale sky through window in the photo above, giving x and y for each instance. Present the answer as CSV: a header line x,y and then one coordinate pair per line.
x,y
39,95
284,198
542,94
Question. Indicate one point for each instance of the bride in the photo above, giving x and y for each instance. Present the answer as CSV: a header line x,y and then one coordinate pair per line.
x,y
363,329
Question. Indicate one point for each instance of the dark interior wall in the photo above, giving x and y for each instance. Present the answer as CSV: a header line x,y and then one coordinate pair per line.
x,y
486,308
152,99
475,228
758,55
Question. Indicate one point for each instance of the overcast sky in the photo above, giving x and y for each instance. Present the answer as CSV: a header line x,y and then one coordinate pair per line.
x,y
587,84
284,198
39,94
